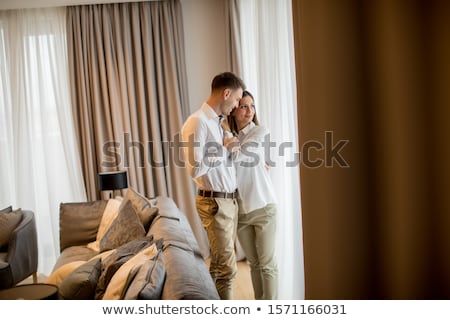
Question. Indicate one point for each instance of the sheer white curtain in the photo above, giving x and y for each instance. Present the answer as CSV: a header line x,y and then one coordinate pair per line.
x,y
39,164
267,62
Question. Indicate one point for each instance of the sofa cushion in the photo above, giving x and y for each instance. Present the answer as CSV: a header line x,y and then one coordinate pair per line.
x,y
166,206
79,222
149,282
123,277
126,227
172,226
109,215
57,276
114,261
75,253
80,284
8,222
67,262
143,206
182,283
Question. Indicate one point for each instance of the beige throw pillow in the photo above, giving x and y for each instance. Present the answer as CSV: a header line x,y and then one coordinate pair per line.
x,y
109,215
57,276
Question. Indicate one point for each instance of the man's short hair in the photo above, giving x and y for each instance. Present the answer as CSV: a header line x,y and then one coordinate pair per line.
x,y
227,80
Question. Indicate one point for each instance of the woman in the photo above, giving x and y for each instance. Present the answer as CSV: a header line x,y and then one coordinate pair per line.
x,y
257,208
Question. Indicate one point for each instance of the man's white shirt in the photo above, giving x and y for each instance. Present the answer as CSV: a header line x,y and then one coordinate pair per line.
x,y
207,160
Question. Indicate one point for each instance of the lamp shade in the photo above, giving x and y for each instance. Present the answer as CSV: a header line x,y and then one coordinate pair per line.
x,y
112,180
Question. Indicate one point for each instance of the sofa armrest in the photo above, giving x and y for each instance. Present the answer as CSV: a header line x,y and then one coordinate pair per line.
x,y
79,222
22,248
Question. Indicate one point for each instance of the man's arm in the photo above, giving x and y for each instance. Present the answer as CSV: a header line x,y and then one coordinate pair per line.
x,y
193,135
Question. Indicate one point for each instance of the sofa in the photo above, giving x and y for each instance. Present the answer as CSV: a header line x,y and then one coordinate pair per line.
x,y
130,248
18,246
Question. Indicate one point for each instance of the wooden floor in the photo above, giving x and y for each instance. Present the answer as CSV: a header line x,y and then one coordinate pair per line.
x,y
243,289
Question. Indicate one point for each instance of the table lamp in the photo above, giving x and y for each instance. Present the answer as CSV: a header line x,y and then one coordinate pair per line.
x,y
112,181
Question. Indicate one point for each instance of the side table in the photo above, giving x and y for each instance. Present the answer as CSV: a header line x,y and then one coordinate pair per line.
x,y
35,291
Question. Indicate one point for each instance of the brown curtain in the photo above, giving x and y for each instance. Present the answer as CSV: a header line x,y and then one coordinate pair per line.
x,y
375,73
128,87
233,36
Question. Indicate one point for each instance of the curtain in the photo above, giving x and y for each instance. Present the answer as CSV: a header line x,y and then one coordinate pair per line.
x,y
129,96
376,74
40,163
265,54
232,37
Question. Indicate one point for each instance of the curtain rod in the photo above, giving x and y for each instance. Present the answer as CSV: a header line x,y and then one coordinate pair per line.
x,y
27,4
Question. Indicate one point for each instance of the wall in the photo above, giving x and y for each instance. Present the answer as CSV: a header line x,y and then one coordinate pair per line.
x,y
204,34
204,31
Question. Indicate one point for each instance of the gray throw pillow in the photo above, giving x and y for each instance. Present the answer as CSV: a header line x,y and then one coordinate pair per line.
x,y
80,284
143,206
148,283
126,227
113,262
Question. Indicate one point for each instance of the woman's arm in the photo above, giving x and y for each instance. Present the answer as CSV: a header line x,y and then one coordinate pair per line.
x,y
251,149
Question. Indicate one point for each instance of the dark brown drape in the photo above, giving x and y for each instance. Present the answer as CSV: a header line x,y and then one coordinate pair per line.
x,y
375,73
128,88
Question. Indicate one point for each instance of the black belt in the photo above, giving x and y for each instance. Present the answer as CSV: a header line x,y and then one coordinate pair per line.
x,y
216,194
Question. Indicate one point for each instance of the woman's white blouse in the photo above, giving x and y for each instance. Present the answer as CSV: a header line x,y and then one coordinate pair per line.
x,y
254,183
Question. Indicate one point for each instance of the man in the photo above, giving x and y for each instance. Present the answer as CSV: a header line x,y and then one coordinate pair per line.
x,y
211,168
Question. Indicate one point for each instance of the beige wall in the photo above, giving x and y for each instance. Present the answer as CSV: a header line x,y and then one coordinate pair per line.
x,y
204,35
